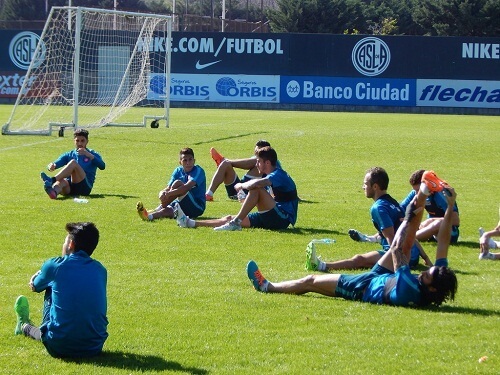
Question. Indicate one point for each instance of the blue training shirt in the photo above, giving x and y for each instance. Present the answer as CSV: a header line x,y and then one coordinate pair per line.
x,y
404,290
435,204
285,193
77,322
89,166
385,213
198,191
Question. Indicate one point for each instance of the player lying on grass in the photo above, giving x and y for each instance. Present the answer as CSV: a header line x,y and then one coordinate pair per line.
x,y
75,303
78,171
486,243
390,280
186,188
274,212
226,174
435,206
387,216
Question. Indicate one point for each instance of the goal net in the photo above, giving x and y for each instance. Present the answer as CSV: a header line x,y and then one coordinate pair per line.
x,y
94,68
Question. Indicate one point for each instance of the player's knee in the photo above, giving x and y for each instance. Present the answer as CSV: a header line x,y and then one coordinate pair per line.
x,y
309,279
360,261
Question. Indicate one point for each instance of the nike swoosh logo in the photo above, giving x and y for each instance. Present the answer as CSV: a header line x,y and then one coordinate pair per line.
x,y
203,66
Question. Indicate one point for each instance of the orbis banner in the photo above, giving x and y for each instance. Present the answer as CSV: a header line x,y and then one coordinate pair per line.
x,y
216,88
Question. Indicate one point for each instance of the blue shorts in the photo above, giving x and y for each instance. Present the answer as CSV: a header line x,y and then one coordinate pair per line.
x,y
81,188
189,207
272,219
352,287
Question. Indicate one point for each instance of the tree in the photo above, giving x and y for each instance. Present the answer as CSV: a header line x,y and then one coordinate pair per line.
x,y
22,10
317,16
459,17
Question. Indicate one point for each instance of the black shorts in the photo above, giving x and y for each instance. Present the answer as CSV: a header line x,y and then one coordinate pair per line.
x,y
81,188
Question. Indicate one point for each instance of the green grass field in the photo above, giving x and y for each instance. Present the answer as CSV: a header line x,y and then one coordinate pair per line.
x,y
179,300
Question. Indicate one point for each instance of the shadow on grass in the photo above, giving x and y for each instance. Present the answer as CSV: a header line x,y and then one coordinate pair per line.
x,y
226,138
313,231
462,310
469,244
134,362
99,196
305,201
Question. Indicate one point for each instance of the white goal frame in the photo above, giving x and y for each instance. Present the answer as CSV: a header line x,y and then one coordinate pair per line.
x,y
67,86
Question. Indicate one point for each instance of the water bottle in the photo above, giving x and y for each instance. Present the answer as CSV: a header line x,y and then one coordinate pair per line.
x,y
80,200
324,240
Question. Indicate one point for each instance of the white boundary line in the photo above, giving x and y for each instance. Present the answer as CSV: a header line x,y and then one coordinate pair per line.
x,y
27,145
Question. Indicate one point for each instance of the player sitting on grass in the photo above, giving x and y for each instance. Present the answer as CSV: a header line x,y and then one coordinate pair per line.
x,y
387,216
486,243
185,188
78,171
75,303
390,280
276,212
226,174
435,206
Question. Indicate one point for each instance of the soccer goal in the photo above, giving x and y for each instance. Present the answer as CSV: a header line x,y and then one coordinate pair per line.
x,y
93,68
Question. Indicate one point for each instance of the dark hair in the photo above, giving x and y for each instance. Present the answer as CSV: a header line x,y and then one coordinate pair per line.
x,y
416,177
378,176
81,133
262,143
186,151
85,236
445,282
267,153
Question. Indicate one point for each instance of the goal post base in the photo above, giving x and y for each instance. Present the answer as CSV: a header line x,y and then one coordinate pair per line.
x,y
156,120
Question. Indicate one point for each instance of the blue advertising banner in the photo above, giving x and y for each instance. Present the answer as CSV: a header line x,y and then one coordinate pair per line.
x,y
451,93
336,55
402,71
354,91
216,88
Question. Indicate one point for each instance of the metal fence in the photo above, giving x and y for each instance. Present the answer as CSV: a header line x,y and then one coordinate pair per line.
x,y
182,22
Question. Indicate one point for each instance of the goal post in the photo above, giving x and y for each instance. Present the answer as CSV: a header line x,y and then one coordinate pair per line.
x,y
94,68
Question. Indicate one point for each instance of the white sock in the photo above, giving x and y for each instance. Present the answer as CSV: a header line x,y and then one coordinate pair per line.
x,y
150,217
210,192
190,223
372,239
264,286
321,266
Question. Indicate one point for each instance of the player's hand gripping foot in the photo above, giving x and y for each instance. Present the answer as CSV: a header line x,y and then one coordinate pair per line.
x,y
433,182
